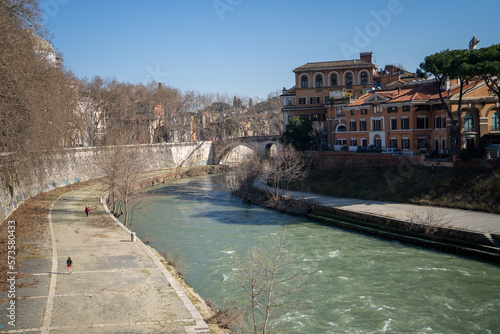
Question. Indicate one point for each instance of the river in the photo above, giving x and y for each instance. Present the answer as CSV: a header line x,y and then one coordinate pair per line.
x,y
356,283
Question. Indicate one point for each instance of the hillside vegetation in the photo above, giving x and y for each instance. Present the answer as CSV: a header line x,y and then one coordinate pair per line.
x,y
418,185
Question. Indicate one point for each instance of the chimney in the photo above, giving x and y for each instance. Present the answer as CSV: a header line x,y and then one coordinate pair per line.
x,y
366,56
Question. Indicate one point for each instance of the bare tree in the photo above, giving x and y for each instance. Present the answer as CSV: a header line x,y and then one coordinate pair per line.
x,y
269,277
288,166
431,219
37,100
121,167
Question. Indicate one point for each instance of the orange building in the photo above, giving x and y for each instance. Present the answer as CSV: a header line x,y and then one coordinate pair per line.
x,y
413,119
321,85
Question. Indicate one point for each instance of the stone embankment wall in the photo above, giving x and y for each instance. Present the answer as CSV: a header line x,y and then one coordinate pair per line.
x,y
325,160
82,164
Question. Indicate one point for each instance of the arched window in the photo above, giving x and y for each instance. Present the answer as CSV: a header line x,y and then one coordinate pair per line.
x,y
495,122
303,82
468,123
348,80
364,78
319,81
341,128
333,80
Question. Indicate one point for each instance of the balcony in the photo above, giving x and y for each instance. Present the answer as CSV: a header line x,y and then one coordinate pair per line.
x,y
335,102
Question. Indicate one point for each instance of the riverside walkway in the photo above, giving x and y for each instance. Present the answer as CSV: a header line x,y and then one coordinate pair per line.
x,y
117,286
467,220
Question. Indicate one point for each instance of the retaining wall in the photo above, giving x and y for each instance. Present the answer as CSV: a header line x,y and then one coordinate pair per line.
x,y
82,164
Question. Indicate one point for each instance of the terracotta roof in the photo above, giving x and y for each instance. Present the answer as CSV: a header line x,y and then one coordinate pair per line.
x,y
417,92
412,93
335,64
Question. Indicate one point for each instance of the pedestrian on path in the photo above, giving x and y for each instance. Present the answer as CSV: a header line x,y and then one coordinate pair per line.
x,y
69,263
87,210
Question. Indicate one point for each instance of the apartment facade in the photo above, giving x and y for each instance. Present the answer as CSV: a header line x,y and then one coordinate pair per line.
x,y
410,118
413,119
322,87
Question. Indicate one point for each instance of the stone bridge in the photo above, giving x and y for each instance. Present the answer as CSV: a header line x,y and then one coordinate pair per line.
x,y
260,145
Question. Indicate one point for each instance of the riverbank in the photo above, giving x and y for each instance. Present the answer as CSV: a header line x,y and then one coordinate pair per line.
x,y
116,284
463,232
434,186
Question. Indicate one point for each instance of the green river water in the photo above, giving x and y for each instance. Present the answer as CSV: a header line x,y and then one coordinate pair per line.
x,y
357,284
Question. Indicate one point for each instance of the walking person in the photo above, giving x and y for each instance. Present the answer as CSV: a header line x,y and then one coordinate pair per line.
x,y
69,263
87,210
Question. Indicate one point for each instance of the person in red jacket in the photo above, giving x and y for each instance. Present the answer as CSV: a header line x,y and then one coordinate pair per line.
x,y
87,210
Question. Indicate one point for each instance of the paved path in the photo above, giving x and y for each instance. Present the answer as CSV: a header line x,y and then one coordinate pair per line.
x,y
476,221
117,286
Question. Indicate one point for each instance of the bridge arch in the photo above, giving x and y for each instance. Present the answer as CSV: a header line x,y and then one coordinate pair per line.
x,y
262,146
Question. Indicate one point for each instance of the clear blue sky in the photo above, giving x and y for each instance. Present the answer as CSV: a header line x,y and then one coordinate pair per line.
x,y
250,47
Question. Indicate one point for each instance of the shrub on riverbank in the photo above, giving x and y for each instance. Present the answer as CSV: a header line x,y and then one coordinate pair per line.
x,y
444,187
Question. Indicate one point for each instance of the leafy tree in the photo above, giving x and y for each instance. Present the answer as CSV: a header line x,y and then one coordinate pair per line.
x,y
297,132
485,62
444,65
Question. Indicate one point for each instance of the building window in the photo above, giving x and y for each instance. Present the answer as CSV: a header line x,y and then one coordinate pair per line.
x,y
315,100
303,82
290,102
364,111
405,123
341,142
437,122
353,113
353,126
364,142
495,122
341,128
354,142
378,142
315,117
406,108
339,111
422,143
319,81
302,100
422,123
377,125
348,80
393,143
364,78
392,109
362,125
468,122
424,107
443,144
334,80
406,144
377,109
394,124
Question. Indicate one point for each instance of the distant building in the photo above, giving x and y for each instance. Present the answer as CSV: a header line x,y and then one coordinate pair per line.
x,y
45,50
413,119
322,89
